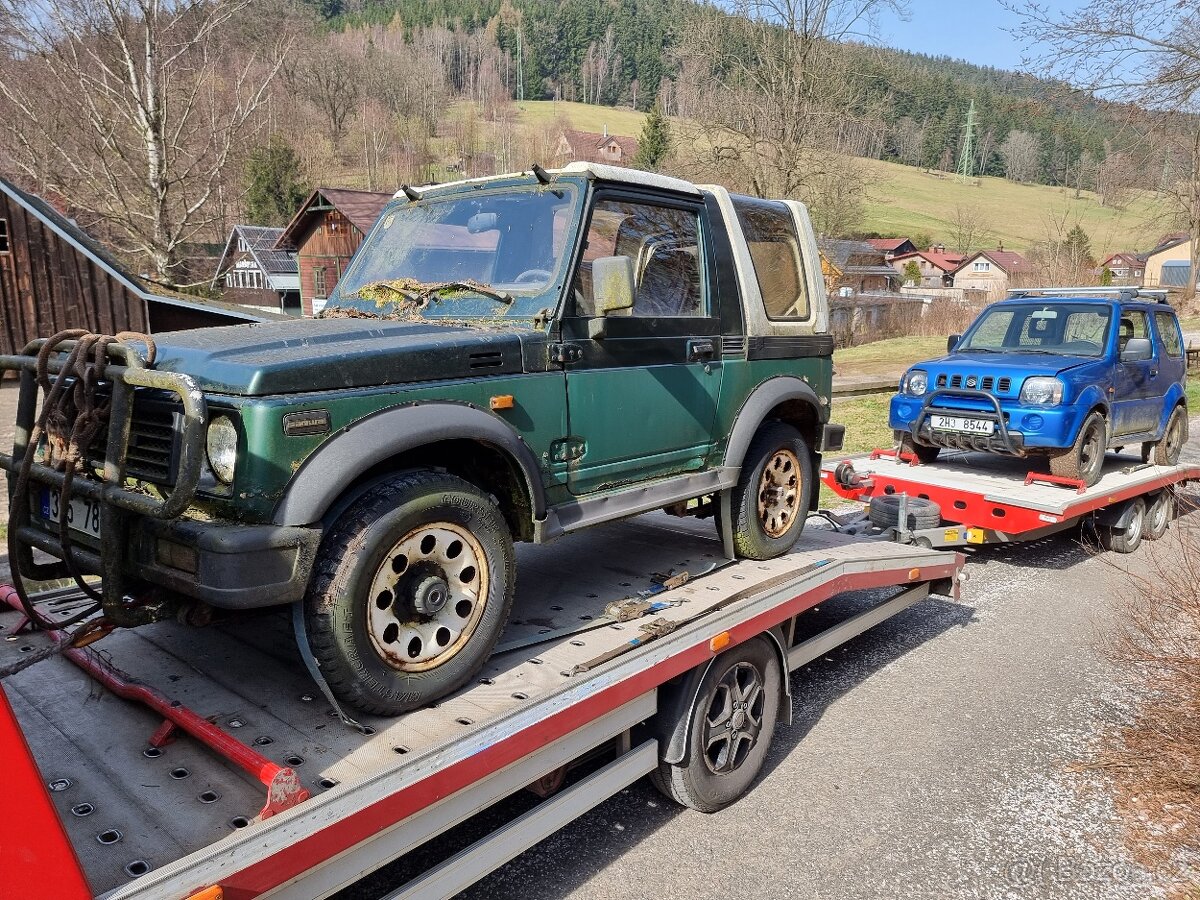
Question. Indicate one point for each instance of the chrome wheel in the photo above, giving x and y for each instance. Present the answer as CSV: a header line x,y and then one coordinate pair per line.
x,y
734,720
779,493
427,597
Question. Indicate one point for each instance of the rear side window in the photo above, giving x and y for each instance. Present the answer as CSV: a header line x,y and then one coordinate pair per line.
x,y
770,232
1168,329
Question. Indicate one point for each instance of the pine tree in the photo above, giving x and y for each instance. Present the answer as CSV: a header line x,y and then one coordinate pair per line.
x,y
912,272
654,143
274,189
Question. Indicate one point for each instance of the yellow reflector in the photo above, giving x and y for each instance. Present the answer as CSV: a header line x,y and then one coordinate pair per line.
x,y
502,401
976,536
720,642
209,893
914,574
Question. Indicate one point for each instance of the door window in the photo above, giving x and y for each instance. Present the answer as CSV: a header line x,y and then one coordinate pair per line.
x,y
664,244
1134,324
1168,330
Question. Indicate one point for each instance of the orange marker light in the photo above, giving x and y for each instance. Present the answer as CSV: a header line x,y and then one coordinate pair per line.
x,y
914,574
720,642
209,893
501,401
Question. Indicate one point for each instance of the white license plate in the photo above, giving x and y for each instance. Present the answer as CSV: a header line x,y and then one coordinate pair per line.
x,y
959,423
82,514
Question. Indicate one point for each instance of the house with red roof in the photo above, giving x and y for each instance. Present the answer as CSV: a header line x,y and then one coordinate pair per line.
x,y
1125,268
994,271
324,234
597,147
935,266
892,247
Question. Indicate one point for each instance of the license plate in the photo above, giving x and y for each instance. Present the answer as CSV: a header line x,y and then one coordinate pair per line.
x,y
82,514
959,423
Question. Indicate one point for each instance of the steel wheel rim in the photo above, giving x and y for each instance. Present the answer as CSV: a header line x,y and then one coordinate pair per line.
x,y
1174,436
1158,514
1137,525
779,493
733,720
413,641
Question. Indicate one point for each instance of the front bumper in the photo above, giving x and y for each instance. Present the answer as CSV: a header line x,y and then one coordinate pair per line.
x,y
1017,429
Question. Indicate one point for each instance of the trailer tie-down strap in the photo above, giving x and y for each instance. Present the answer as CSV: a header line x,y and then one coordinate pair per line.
x,y
314,669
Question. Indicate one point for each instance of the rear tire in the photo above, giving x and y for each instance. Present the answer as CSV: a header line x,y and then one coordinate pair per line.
x,y
1128,539
923,454
410,591
730,730
1159,514
771,499
1084,461
1167,450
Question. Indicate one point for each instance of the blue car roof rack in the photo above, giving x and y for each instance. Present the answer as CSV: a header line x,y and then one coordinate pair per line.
x,y
1156,295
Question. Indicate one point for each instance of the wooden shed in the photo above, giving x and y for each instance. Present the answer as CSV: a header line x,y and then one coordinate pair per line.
x,y
326,231
54,276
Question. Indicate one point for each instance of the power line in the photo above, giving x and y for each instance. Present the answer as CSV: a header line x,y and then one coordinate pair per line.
x,y
966,159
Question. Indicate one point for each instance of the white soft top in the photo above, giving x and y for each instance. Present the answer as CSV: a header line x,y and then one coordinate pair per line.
x,y
596,170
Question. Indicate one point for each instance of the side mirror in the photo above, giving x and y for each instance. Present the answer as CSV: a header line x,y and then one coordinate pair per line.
x,y
613,288
952,342
481,222
1137,349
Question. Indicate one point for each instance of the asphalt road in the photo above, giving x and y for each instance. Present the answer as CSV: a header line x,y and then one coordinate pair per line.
x,y
928,758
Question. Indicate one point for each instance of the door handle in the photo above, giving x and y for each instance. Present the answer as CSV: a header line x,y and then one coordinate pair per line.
x,y
698,350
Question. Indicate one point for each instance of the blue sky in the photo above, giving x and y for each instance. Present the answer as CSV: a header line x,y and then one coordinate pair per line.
x,y
973,30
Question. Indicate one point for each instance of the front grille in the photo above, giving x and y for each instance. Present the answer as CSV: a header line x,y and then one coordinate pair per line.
x,y
975,382
152,453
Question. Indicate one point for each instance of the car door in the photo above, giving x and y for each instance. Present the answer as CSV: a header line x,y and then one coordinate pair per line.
x,y
1137,394
1169,344
642,399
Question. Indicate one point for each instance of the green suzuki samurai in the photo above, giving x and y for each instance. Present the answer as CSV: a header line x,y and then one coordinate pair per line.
x,y
505,359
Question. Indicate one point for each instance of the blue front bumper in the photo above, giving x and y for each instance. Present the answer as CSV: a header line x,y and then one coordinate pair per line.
x,y
1017,427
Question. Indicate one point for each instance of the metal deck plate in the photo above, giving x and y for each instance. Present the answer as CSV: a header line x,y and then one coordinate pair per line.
x,y
247,677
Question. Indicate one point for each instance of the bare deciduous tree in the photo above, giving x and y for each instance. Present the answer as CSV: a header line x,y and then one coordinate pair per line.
x,y
1145,52
970,229
1020,152
135,110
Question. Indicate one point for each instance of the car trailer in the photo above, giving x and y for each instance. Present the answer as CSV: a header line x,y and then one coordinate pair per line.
x,y
224,774
968,498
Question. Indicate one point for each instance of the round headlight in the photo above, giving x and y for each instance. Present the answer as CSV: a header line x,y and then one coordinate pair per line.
x,y
918,383
222,448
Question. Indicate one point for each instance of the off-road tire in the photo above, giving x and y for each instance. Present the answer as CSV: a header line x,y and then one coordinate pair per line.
x,y
1159,514
774,441
1128,539
694,783
1166,451
924,455
884,512
351,557
1084,460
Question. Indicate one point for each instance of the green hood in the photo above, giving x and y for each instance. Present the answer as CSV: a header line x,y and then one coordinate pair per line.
x,y
327,354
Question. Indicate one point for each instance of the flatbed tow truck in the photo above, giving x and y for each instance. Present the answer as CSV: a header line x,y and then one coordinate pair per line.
x,y
230,778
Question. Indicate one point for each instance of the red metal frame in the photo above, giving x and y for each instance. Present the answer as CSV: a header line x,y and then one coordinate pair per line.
x,y
972,509
284,789
1045,478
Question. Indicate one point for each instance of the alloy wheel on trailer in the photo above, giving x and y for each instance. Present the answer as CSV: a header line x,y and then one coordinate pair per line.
x,y
428,596
779,493
733,723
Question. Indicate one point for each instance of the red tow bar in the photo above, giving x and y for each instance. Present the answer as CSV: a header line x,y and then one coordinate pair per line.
x,y
284,789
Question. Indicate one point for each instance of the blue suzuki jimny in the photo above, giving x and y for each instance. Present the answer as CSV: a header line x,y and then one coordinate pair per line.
x,y
1066,375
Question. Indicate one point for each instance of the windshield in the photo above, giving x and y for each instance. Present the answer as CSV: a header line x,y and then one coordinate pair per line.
x,y
467,254
1062,329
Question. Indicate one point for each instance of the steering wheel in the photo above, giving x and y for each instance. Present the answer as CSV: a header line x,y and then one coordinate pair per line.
x,y
531,276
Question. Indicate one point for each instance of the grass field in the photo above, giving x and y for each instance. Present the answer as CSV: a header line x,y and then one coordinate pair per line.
x,y
886,358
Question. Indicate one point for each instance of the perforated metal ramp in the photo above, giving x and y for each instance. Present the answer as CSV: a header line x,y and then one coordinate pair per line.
x,y
129,813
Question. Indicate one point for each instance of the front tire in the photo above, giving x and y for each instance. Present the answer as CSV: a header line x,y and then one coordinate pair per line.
x,y
1084,461
773,492
924,455
411,589
730,731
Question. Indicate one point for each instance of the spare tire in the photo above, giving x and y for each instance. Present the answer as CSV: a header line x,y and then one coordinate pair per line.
x,y
922,513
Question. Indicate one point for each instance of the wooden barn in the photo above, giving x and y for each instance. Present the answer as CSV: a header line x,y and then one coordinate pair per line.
x,y
54,276
326,231
253,273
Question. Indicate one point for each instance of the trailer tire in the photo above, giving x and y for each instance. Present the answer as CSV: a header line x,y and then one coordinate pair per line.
x,y
1083,461
1159,514
411,589
730,729
1129,538
884,512
771,499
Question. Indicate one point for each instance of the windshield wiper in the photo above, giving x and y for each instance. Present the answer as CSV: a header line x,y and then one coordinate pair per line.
x,y
976,350
481,289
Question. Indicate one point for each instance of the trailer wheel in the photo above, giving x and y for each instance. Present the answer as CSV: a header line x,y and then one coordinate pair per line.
x,y
411,589
1085,460
1129,538
910,447
772,494
1159,515
884,512
731,725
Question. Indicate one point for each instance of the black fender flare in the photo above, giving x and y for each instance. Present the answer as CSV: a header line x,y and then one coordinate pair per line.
x,y
342,459
761,401
677,701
